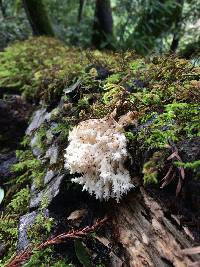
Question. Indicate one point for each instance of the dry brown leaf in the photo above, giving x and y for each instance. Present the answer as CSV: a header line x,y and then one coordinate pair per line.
x,y
77,214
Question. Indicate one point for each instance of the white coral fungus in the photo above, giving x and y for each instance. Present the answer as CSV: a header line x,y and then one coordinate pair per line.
x,y
97,151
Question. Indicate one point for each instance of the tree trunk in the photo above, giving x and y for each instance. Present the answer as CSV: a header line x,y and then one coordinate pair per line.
x,y
103,25
174,44
3,9
38,18
149,236
176,37
80,10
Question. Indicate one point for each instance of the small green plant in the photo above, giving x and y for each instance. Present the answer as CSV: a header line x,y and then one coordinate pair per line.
x,y
20,202
194,165
28,169
45,258
177,120
62,128
152,168
82,254
40,138
129,135
83,102
8,234
41,228
112,92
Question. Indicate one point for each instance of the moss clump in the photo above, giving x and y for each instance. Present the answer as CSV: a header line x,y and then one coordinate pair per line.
x,y
190,165
8,234
178,121
16,202
152,168
20,202
27,169
40,137
44,258
21,60
41,228
39,66
43,67
62,130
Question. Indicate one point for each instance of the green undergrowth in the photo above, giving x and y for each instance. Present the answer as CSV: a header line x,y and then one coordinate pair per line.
x,y
44,258
16,202
178,121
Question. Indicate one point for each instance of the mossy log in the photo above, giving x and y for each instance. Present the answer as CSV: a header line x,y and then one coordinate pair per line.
x,y
150,237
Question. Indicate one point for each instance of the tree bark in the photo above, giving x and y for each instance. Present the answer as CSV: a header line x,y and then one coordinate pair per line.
x,y
176,37
103,25
80,10
174,44
148,236
38,18
3,9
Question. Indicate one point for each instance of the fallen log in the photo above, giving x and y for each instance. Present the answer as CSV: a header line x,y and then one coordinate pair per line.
x,y
148,237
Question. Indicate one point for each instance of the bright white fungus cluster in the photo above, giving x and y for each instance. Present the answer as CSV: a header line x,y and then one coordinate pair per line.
x,y
97,151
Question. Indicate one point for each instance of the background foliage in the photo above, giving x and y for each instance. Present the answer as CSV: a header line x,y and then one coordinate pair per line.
x,y
146,26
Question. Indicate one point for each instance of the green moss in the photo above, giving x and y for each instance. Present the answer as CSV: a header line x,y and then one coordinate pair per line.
x,y
152,168
40,138
100,110
178,121
21,60
136,65
112,92
27,169
129,135
83,102
43,67
40,230
20,202
191,165
40,67
8,234
114,78
62,129
45,258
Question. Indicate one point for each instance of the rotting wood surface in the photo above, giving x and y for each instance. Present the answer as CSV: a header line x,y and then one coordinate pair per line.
x,y
148,237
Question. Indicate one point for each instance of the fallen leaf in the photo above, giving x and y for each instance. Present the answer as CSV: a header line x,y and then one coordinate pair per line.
x,y
77,214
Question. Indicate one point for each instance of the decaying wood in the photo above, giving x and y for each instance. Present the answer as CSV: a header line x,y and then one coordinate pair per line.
x,y
148,237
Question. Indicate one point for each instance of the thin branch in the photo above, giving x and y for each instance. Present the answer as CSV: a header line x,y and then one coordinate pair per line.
x,y
25,255
170,176
191,251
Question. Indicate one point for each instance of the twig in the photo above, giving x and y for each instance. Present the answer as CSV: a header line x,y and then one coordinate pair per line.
x,y
19,259
192,251
171,174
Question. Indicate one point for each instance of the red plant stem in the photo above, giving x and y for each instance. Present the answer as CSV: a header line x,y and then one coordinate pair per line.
x,y
19,259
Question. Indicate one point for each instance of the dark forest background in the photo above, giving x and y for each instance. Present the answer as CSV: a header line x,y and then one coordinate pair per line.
x,y
147,26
